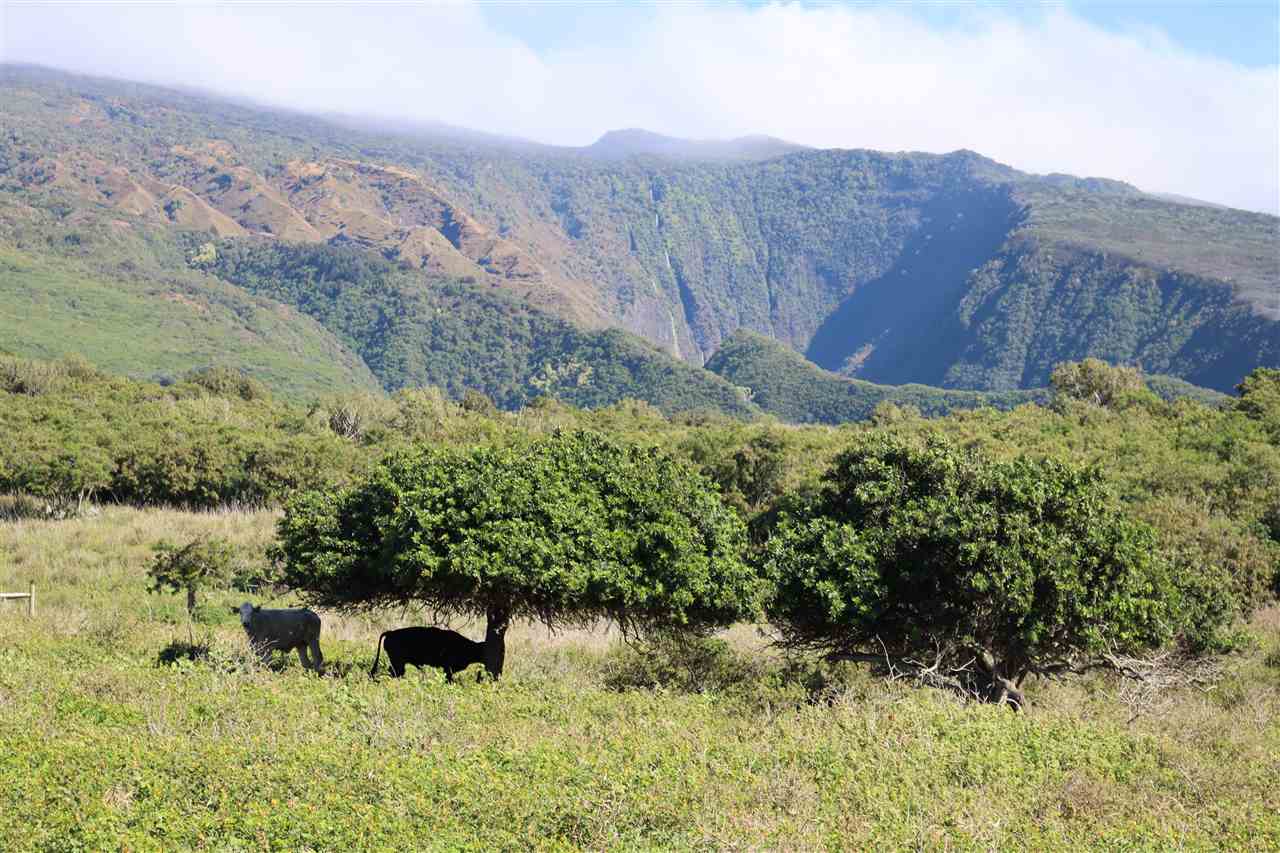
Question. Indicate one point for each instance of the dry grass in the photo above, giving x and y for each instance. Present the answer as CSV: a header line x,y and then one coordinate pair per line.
x,y
100,747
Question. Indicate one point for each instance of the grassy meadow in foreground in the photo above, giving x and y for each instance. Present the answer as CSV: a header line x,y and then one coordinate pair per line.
x,y
102,747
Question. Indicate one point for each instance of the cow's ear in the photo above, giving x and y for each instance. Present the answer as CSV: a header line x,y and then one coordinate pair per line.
x,y
235,609
257,607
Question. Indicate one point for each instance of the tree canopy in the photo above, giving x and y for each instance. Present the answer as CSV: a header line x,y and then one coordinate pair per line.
x,y
1260,399
973,572
1094,381
201,562
567,530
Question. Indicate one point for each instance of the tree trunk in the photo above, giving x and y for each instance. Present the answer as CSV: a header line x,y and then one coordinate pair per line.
x,y
1000,689
191,601
495,640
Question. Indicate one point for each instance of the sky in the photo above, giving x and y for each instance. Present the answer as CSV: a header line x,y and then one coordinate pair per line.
x,y
1172,97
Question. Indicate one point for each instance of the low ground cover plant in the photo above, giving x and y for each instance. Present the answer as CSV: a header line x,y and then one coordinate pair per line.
x,y
100,747
993,550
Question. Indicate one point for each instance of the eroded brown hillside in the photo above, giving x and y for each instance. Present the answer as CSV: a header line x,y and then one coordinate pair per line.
x,y
206,185
879,265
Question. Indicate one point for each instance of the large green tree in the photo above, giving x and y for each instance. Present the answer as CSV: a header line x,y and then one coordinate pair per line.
x,y
1260,399
567,530
1094,381
970,572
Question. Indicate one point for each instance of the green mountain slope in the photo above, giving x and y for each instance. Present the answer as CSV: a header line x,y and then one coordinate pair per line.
x,y
945,269
1035,305
413,331
307,319
783,383
129,316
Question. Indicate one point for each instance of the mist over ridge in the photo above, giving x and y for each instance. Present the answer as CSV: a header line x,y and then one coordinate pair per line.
x,y
1045,92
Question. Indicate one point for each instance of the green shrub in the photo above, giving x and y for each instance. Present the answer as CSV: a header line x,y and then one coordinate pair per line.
x,y
477,402
226,382
201,563
27,376
1260,399
183,650
689,664
1098,383
20,506
975,573
64,474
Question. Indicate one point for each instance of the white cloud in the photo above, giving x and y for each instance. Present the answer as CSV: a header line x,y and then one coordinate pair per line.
x,y
1049,94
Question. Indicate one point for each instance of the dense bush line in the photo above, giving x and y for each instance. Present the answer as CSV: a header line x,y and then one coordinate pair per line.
x,y
1207,479
215,438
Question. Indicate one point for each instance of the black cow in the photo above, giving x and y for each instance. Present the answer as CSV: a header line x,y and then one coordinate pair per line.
x,y
438,647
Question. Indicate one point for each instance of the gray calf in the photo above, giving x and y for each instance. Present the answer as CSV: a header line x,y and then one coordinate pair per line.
x,y
272,630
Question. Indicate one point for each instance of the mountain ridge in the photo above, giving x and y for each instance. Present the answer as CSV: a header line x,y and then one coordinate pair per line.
x,y
684,251
632,142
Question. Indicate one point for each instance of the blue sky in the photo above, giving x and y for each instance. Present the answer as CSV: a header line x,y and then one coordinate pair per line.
x,y
1247,33
1173,97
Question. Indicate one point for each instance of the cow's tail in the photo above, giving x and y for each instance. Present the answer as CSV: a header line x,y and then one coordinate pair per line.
x,y
376,654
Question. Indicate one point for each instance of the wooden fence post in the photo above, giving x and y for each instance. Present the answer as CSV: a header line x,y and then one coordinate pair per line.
x,y
29,595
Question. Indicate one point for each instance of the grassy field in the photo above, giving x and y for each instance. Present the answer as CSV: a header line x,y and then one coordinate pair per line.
x,y
150,327
102,747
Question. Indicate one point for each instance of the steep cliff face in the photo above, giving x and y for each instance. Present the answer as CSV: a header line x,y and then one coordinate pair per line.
x,y
1035,304
946,269
949,270
686,252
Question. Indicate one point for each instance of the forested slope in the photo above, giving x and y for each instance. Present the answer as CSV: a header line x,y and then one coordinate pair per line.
x,y
783,383
1035,305
457,336
306,319
942,269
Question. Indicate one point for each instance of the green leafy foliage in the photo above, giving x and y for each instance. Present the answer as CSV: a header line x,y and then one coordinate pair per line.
x,y
87,435
200,563
753,477
1260,399
681,663
224,382
463,338
1094,381
1024,313
937,553
782,382
568,530
1170,388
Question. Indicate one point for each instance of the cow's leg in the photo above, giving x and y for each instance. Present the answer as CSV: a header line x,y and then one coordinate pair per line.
x,y
395,665
316,656
302,656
